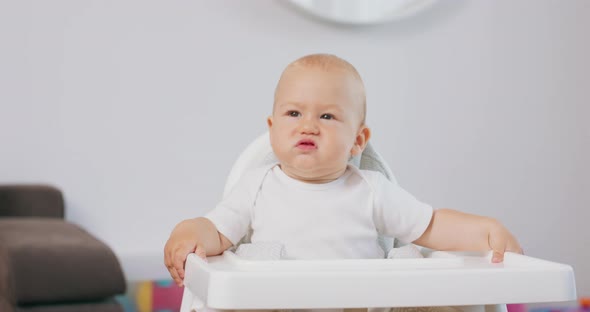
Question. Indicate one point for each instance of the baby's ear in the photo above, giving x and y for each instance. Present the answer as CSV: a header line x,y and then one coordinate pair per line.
x,y
361,140
269,122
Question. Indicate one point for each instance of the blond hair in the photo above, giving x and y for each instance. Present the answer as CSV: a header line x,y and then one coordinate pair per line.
x,y
329,62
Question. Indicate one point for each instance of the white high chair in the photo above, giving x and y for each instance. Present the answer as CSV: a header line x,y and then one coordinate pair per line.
x,y
467,281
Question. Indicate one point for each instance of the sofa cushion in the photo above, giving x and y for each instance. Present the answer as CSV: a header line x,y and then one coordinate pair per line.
x,y
51,260
31,201
109,305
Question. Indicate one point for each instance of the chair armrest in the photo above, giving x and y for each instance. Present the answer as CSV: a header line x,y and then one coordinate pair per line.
x,y
31,201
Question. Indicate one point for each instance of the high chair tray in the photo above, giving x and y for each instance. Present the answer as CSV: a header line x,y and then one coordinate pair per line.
x,y
442,279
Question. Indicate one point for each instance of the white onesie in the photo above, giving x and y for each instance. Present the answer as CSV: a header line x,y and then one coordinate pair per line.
x,y
335,220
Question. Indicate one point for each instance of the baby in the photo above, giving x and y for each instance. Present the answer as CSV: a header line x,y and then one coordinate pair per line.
x,y
312,201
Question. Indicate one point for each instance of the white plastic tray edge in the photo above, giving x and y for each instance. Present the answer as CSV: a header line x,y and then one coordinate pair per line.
x,y
228,282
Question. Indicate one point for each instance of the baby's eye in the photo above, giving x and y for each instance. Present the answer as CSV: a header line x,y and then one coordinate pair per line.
x,y
293,114
327,116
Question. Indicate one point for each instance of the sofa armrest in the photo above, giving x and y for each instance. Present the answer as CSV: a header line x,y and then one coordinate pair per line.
x,y
31,201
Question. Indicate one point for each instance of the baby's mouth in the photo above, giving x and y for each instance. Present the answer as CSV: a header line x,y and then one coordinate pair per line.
x,y
306,144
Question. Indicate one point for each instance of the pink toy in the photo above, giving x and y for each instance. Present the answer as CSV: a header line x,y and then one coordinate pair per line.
x,y
158,296
516,307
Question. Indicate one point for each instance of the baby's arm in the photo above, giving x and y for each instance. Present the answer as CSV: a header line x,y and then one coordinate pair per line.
x,y
454,230
193,235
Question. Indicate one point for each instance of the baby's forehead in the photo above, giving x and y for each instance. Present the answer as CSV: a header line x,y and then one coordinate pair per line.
x,y
301,79
336,78
330,68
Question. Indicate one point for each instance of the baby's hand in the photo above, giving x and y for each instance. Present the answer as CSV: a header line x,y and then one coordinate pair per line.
x,y
175,252
500,241
198,235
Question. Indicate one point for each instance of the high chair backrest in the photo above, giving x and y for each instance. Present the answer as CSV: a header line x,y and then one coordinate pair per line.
x,y
259,153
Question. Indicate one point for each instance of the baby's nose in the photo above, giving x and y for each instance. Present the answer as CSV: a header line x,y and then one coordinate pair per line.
x,y
308,126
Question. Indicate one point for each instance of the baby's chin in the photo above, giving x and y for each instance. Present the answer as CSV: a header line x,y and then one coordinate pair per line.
x,y
313,174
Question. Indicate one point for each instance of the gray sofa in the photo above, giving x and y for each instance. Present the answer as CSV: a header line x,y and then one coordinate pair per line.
x,y
49,264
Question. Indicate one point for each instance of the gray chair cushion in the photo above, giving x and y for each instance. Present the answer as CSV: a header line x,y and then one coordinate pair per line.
x,y
51,260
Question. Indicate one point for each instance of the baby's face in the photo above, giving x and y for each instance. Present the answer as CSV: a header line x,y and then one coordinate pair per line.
x,y
316,121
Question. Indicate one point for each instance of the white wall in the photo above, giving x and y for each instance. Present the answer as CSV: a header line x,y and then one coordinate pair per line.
x,y
136,109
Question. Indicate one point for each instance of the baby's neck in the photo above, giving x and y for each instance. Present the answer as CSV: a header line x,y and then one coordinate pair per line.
x,y
313,178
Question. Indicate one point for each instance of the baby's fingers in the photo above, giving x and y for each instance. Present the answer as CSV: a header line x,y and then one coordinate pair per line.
x,y
498,256
175,276
498,246
510,246
180,260
501,241
168,256
514,246
200,251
